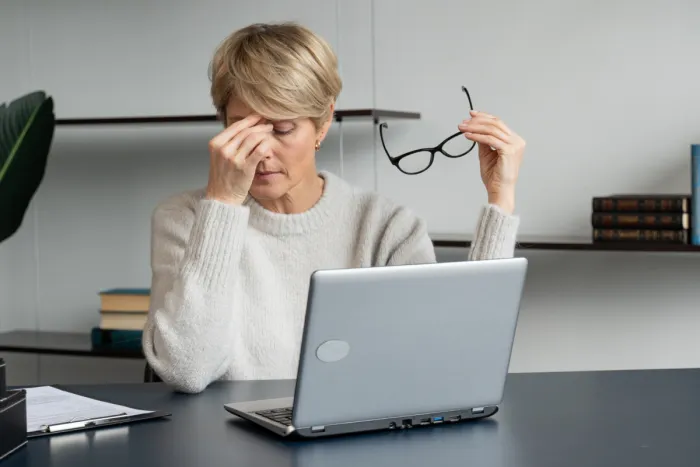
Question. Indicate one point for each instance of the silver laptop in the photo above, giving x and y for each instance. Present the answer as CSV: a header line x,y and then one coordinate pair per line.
x,y
398,347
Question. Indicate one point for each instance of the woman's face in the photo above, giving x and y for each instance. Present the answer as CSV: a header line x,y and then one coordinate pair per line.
x,y
291,159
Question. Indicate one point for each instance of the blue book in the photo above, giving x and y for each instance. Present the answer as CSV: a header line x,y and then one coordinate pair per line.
x,y
695,190
126,291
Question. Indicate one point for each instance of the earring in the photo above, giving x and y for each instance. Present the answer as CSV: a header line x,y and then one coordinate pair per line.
x,y
318,145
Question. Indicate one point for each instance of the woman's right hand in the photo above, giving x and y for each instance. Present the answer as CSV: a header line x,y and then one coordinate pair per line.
x,y
234,156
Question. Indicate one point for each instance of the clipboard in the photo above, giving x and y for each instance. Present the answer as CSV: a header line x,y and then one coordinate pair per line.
x,y
52,411
95,423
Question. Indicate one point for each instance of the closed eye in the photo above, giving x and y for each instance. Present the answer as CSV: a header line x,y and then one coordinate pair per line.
x,y
283,131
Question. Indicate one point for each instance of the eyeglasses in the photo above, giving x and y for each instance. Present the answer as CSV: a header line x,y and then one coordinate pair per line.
x,y
420,160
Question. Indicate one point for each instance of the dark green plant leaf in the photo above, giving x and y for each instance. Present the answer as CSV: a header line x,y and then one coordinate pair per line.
x,y
26,133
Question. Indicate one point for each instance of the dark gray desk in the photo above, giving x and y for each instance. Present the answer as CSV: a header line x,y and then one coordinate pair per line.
x,y
620,419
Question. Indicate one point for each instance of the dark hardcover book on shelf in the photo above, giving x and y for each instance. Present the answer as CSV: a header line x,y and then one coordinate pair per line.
x,y
116,339
678,203
641,220
695,190
641,235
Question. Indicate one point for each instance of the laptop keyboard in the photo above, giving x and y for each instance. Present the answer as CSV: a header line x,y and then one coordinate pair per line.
x,y
283,416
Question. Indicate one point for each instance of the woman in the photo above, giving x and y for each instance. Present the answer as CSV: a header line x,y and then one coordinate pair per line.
x,y
231,262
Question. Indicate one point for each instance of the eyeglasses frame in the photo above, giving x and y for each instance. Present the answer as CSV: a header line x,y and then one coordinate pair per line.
x,y
439,148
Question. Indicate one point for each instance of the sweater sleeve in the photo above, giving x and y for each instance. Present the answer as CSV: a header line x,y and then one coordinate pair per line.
x,y
495,234
194,254
405,240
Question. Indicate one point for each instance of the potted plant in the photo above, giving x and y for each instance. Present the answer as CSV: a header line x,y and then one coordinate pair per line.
x,y
26,133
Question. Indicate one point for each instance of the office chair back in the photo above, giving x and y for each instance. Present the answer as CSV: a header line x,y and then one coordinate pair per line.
x,y
150,376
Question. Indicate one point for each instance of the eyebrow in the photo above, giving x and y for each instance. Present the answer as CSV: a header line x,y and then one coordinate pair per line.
x,y
236,118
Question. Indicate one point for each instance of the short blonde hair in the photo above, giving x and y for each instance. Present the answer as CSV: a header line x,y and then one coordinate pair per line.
x,y
280,71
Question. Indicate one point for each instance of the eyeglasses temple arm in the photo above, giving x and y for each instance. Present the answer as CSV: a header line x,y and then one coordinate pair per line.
x,y
381,137
471,106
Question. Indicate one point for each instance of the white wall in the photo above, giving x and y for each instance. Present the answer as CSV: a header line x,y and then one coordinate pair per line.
x,y
604,96
605,93
606,311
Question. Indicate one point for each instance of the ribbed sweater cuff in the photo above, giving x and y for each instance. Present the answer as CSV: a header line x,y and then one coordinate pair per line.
x,y
495,234
215,245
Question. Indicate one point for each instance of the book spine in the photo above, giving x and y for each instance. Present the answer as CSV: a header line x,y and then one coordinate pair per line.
x,y
641,204
640,235
695,194
623,220
116,338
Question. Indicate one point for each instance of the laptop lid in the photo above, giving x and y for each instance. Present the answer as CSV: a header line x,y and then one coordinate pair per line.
x,y
390,341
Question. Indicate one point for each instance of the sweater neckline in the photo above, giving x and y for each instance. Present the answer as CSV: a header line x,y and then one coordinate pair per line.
x,y
276,223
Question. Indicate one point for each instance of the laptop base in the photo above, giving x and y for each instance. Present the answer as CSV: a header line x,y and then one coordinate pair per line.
x,y
251,411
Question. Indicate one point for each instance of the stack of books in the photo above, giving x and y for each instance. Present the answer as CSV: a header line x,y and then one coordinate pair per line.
x,y
124,309
642,218
123,315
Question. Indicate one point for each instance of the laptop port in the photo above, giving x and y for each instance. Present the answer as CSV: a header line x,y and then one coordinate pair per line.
x,y
454,419
438,419
407,423
425,421
478,410
318,429
392,426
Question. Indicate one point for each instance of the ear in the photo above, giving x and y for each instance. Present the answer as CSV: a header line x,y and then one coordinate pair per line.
x,y
323,131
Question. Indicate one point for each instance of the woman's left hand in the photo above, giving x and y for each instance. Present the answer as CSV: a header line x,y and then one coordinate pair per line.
x,y
500,155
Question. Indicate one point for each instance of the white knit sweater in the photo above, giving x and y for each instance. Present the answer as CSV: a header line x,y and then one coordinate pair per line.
x,y
229,285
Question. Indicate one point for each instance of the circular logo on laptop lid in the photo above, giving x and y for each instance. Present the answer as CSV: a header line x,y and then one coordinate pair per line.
x,y
332,351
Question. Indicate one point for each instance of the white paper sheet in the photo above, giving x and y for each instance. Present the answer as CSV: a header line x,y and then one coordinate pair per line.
x,y
47,405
